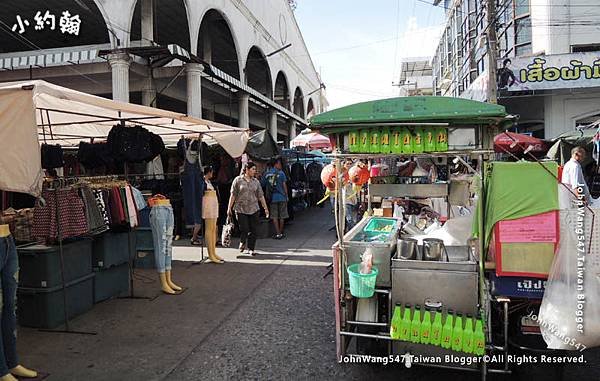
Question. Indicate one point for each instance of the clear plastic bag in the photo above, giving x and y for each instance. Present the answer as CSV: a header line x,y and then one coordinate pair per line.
x,y
570,312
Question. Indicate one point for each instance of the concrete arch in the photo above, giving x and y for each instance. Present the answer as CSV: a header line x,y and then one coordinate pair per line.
x,y
257,66
214,11
281,90
310,108
183,38
298,103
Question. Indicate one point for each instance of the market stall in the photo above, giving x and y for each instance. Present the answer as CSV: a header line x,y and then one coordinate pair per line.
x,y
85,226
427,272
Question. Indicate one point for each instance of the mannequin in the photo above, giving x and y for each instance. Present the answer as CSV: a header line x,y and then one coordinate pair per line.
x,y
210,213
162,222
8,256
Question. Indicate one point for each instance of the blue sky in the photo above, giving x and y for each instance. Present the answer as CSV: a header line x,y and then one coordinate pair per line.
x,y
358,45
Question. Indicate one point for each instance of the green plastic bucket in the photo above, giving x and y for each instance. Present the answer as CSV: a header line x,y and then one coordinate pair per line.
x,y
362,285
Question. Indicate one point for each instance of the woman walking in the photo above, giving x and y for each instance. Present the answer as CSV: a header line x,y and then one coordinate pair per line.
x,y
210,213
246,193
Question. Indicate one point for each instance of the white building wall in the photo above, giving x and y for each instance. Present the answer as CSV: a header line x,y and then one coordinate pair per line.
x,y
563,111
559,24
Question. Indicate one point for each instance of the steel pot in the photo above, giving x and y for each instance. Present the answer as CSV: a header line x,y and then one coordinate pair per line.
x,y
433,249
406,248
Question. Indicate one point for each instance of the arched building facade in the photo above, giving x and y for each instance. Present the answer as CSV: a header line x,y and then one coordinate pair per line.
x,y
242,63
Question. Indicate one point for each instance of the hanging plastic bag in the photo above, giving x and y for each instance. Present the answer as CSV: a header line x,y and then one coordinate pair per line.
x,y
226,233
570,312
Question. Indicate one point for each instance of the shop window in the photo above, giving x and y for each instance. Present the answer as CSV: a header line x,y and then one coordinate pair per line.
x,y
521,7
523,30
585,48
523,50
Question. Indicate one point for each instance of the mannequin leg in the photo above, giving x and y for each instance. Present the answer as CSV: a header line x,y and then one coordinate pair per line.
x,y
158,222
21,371
170,281
210,225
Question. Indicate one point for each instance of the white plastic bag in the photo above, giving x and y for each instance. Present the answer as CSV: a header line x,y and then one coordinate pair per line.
x,y
570,312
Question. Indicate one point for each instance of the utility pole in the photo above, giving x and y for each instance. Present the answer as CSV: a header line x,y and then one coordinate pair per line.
x,y
492,52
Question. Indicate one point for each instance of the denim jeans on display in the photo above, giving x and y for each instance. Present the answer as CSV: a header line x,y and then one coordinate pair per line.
x,y
161,222
9,273
193,184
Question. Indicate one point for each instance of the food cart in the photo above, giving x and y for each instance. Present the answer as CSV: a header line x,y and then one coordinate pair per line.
x,y
413,270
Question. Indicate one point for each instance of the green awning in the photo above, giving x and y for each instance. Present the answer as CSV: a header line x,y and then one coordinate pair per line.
x,y
413,110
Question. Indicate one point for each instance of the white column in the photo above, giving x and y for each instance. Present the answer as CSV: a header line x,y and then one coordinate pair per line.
x,y
194,89
119,63
149,92
243,112
292,124
273,123
147,21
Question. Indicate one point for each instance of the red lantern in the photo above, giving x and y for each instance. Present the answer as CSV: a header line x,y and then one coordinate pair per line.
x,y
359,175
328,176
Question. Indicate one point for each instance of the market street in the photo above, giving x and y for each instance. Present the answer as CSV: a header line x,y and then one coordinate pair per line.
x,y
269,317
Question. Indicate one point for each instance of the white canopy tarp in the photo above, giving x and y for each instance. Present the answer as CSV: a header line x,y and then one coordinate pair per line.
x,y
37,111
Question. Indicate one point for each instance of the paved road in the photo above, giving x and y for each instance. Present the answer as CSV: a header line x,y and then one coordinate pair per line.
x,y
269,317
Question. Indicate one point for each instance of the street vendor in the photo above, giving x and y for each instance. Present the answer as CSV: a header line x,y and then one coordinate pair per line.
x,y
572,174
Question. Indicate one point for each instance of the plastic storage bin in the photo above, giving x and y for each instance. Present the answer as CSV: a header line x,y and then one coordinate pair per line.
x,y
362,285
111,249
111,282
381,225
40,264
44,307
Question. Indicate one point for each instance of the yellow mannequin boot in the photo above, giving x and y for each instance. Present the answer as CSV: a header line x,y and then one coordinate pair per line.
x,y
21,371
170,282
8,377
164,286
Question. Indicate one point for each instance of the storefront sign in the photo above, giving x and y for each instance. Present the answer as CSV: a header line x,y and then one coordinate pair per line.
x,y
558,71
69,24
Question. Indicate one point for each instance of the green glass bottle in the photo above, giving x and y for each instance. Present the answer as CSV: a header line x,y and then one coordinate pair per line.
x,y
467,340
395,324
385,139
436,329
429,138
418,137
365,143
405,324
354,141
478,339
457,333
426,327
407,141
441,143
396,140
446,341
374,136
415,325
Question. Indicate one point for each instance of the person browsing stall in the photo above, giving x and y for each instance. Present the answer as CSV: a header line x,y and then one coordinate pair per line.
x,y
246,194
572,174
277,193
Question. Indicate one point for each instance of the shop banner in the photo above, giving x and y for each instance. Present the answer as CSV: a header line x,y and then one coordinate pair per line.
x,y
559,71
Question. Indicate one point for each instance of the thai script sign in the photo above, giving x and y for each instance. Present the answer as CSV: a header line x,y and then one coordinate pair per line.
x,y
558,71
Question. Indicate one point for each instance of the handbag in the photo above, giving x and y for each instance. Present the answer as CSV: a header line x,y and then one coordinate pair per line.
x,y
226,233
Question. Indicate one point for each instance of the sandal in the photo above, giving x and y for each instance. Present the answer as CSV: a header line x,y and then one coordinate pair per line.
x,y
196,242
